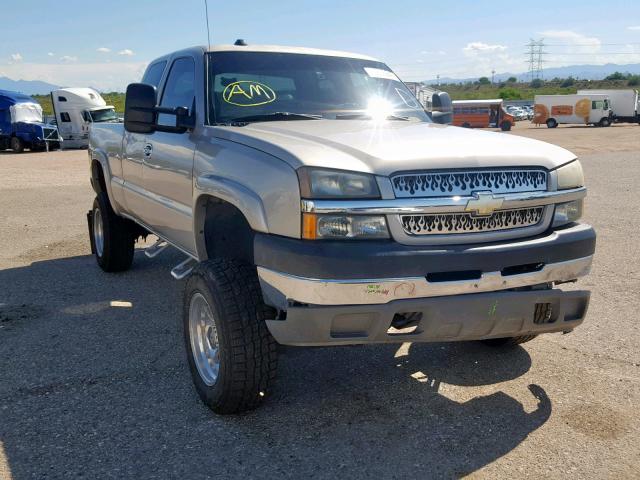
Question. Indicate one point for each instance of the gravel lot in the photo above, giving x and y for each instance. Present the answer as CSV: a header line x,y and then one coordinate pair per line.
x,y
91,389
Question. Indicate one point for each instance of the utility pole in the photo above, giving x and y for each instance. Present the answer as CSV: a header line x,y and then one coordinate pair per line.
x,y
493,72
438,79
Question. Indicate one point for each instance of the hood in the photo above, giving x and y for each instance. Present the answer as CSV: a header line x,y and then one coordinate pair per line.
x,y
392,146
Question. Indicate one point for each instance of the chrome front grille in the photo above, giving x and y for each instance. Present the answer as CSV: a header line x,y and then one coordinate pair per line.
x,y
464,183
461,223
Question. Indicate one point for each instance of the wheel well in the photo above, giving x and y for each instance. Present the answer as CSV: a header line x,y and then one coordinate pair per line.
x,y
97,177
226,232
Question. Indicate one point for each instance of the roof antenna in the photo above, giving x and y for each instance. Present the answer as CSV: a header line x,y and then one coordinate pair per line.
x,y
206,11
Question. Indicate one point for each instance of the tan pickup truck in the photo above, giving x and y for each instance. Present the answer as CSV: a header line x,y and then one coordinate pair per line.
x,y
317,203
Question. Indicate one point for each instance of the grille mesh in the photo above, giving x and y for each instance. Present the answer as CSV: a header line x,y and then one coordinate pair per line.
x,y
455,223
438,184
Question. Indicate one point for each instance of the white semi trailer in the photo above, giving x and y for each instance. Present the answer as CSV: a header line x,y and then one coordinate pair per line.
x,y
75,110
624,103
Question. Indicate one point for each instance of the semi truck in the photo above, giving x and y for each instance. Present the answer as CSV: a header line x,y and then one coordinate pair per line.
x,y
316,203
624,103
587,109
22,126
75,109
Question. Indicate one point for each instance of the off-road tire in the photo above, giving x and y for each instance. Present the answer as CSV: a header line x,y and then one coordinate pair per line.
x,y
551,123
247,351
508,341
118,237
505,126
17,145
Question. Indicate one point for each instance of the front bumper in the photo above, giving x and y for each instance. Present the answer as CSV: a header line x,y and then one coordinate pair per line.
x,y
353,291
439,319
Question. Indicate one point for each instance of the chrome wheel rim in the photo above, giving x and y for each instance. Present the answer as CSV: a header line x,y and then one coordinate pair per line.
x,y
98,232
204,339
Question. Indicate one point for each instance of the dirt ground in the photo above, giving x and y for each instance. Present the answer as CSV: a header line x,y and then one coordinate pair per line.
x,y
94,382
584,140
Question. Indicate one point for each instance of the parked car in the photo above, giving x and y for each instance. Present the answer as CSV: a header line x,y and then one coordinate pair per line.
x,y
317,204
624,103
75,109
592,109
21,124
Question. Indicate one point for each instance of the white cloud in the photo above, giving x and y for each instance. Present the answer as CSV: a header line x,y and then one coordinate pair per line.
x,y
69,58
475,48
431,52
572,39
113,76
126,52
634,27
16,57
50,54
103,50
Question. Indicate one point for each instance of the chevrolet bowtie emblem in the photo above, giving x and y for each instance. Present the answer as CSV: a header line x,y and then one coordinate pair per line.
x,y
484,204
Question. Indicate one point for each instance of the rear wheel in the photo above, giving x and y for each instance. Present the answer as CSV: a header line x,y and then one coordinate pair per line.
x,y
17,145
508,341
505,126
112,237
232,356
551,123
466,125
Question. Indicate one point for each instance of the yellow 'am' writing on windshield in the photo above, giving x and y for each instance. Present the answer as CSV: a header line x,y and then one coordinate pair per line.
x,y
246,93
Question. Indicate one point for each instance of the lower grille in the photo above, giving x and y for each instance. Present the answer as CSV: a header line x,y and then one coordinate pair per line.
x,y
459,223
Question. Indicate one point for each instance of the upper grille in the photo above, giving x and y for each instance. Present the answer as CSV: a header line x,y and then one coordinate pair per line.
x,y
463,183
454,223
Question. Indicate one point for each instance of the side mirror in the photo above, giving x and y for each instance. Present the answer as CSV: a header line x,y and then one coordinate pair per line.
x,y
140,108
442,108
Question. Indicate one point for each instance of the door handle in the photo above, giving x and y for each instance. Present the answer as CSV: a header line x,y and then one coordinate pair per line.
x,y
148,149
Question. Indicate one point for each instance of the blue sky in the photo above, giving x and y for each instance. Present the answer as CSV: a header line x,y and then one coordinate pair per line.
x,y
107,44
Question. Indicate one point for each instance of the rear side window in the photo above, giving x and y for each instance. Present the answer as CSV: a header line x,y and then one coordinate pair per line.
x,y
62,99
154,73
179,89
64,117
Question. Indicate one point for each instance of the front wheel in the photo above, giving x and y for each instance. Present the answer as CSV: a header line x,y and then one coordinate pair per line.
x,y
232,356
17,145
605,122
552,123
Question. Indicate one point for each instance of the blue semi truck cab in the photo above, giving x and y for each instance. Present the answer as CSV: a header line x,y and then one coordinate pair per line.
x,y
21,124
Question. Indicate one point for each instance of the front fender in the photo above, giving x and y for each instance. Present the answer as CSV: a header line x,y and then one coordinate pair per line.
x,y
244,199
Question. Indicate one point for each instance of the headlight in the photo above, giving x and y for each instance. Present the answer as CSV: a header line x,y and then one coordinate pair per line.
x,y
568,212
318,183
570,176
336,227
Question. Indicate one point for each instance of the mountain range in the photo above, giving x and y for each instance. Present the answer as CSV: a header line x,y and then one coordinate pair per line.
x,y
30,87
583,72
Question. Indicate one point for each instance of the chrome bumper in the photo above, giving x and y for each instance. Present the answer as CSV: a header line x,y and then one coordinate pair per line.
x,y
281,288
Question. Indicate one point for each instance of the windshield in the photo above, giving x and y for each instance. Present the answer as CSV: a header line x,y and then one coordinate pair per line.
x,y
256,84
104,115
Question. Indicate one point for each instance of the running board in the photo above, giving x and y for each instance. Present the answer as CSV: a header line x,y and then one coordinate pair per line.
x,y
156,249
183,269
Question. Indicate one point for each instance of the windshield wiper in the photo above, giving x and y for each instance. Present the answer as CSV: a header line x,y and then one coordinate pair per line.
x,y
275,116
353,116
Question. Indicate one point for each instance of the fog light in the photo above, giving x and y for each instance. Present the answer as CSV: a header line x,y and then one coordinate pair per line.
x,y
568,212
358,227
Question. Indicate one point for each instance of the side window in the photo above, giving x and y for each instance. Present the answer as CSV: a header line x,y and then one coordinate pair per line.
x,y
62,99
64,117
179,89
85,116
154,73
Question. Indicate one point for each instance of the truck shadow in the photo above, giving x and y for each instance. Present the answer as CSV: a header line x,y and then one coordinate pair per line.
x,y
93,379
